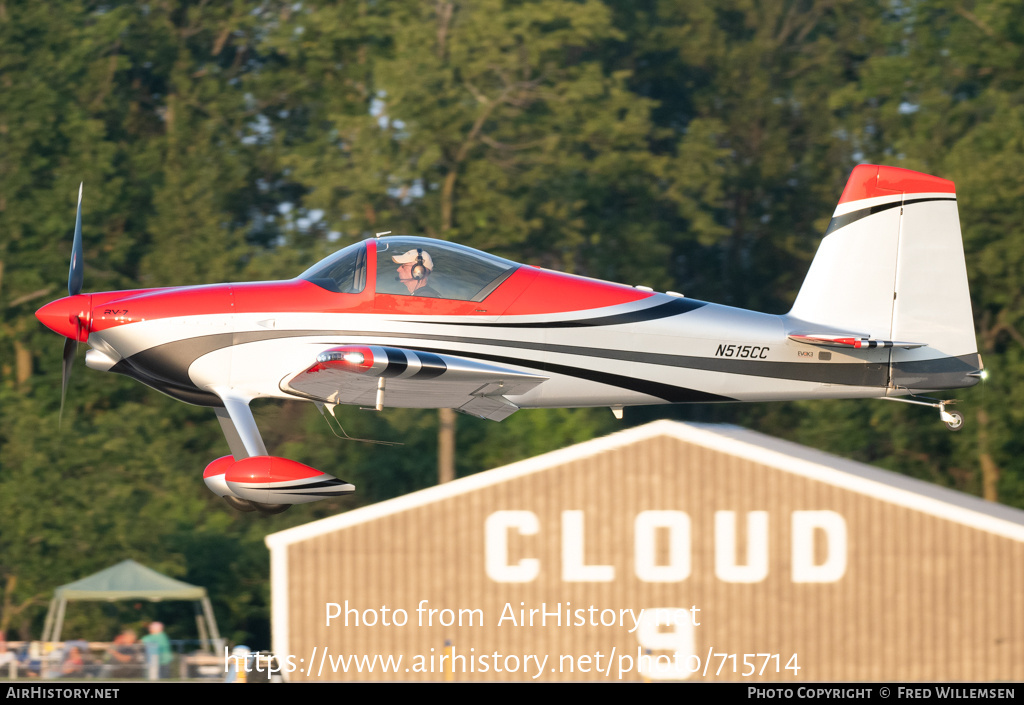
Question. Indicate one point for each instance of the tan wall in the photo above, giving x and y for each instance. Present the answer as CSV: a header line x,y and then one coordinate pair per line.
x,y
920,598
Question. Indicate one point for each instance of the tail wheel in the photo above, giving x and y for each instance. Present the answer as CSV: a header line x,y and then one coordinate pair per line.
x,y
956,420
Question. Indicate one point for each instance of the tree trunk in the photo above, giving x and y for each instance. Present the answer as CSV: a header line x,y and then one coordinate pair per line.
x,y
445,445
989,469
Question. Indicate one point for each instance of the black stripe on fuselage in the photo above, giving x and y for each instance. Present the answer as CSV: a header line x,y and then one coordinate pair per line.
x,y
169,363
652,313
858,374
172,360
188,392
842,221
668,392
940,373
179,356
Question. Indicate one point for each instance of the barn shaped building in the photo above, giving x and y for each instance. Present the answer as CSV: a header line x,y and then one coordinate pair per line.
x,y
668,551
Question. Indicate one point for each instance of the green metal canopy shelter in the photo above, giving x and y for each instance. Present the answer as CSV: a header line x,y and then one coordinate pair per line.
x,y
129,580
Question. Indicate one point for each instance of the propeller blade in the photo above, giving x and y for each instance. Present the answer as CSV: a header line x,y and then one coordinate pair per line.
x,y
75,279
70,349
75,274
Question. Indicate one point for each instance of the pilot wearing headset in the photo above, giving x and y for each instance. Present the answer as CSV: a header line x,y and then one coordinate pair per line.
x,y
414,268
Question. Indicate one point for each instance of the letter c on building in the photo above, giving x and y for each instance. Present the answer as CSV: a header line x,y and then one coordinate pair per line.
x,y
496,557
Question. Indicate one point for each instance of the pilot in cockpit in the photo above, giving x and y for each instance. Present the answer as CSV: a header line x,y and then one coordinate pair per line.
x,y
414,269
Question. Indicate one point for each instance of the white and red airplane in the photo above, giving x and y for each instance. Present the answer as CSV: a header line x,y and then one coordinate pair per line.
x,y
412,322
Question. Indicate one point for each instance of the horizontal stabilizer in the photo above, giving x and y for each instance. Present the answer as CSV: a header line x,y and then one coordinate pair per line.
x,y
850,340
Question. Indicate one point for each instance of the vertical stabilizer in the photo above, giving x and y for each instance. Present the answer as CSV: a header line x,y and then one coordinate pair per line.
x,y
891,267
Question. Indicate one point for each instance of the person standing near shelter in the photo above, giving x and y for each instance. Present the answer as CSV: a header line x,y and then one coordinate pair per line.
x,y
158,647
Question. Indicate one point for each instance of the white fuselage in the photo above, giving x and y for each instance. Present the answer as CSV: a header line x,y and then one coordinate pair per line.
x,y
708,353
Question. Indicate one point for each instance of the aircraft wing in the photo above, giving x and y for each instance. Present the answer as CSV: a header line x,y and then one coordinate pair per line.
x,y
376,376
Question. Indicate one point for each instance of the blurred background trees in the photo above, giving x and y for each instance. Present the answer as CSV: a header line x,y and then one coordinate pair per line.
x,y
694,146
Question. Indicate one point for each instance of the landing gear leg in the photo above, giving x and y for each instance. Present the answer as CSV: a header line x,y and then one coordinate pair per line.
x,y
954,420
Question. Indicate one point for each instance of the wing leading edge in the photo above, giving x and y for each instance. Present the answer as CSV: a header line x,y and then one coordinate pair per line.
x,y
376,376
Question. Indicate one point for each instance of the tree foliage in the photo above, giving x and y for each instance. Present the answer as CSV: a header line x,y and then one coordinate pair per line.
x,y
691,146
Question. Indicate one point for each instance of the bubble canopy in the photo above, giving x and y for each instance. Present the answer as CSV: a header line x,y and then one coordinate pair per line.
x,y
452,271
